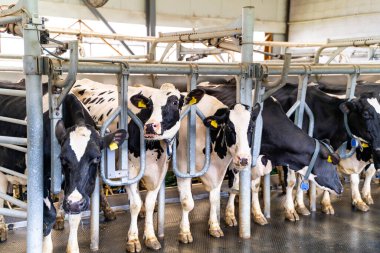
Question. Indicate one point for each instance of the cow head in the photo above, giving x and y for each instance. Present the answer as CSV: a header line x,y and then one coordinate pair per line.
x,y
232,129
364,121
159,109
325,173
80,157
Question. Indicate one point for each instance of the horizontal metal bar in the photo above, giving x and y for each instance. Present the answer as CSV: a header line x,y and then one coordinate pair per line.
x,y
10,20
11,69
16,8
15,147
14,201
324,69
13,213
12,120
13,173
10,92
13,140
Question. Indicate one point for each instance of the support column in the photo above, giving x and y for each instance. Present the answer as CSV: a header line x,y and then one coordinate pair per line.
x,y
35,128
244,96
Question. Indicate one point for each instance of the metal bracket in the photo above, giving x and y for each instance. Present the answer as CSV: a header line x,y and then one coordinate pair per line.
x,y
255,70
33,65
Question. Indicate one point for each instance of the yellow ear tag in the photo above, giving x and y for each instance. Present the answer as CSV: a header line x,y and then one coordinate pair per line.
x,y
141,104
364,145
329,159
214,124
193,101
113,146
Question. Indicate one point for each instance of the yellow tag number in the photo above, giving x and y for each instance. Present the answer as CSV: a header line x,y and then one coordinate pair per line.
x,y
214,124
113,146
141,104
193,101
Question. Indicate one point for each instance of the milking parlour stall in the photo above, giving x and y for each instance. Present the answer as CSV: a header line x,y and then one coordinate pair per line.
x,y
132,126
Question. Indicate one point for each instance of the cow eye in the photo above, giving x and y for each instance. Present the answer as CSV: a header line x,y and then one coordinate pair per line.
x,y
366,114
175,102
96,160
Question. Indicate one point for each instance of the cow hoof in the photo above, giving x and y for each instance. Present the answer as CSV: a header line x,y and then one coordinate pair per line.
x,y
291,215
302,210
217,232
109,215
59,223
328,209
185,237
361,206
133,245
153,243
368,199
231,221
3,233
260,219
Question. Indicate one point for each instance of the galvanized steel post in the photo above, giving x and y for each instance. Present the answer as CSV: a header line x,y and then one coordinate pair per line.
x,y
161,211
244,87
94,244
32,53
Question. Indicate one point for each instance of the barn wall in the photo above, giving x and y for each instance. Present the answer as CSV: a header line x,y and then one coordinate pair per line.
x,y
270,14
318,20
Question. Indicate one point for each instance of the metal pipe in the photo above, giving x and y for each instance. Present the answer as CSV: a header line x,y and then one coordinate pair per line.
x,y
284,74
10,20
13,10
244,96
14,201
13,140
266,195
33,85
161,211
292,109
12,120
94,227
191,127
16,93
14,147
102,18
16,214
13,173
10,69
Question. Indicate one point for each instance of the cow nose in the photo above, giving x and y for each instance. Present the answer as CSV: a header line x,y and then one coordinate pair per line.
x,y
152,128
75,207
243,161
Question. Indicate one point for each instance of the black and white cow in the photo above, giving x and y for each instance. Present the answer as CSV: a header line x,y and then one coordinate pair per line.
x,y
363,121
231,132
80,155
159,110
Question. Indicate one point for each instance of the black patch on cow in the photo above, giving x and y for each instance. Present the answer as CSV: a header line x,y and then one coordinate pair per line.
x,y
102,93
93,101
170,113
81,92
110,92
167,94
111,99
108,113
101,117
85,102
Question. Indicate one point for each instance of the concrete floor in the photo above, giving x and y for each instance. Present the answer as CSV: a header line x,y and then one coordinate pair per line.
x,y
347,231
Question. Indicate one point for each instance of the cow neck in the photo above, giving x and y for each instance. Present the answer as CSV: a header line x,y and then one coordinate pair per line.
x,y
218,138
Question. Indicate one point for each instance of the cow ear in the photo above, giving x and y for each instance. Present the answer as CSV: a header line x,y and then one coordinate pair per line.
x,y
215,121
181,101
114,140
194,96
255,111
347,107
333,158
60,131
140,101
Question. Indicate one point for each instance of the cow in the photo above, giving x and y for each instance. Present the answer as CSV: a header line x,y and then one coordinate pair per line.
x,y
231,130
80,155
159,110
363,114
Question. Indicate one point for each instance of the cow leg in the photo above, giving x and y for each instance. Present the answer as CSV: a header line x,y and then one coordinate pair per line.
x,y
149,235
300,204
327,208
290,212
187,203
356,198
47,244
258,216
72,245
366,190
282,174
230,211
3,226
133,243
109,214
213,222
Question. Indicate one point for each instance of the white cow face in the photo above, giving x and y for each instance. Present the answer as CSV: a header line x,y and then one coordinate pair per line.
x,y
231,130
160,109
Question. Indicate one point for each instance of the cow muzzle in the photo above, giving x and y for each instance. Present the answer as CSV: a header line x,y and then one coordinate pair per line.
x,y
75,207
151,130
242,161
